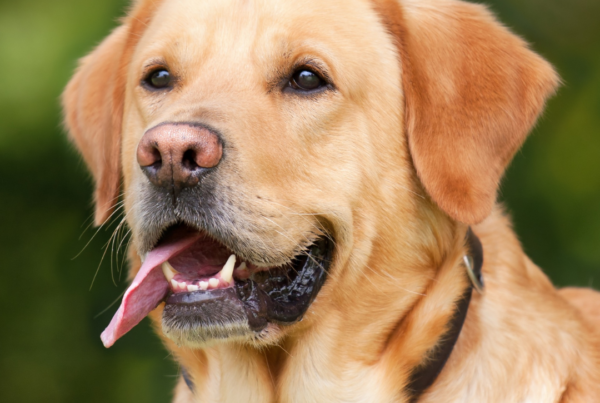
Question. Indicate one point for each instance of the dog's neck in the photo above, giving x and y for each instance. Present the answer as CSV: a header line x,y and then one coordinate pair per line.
x,y
418,303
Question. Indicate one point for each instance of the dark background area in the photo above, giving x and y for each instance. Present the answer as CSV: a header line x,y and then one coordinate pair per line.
x,y
50,350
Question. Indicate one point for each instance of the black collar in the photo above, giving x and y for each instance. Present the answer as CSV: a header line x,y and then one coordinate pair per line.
x,y
423,377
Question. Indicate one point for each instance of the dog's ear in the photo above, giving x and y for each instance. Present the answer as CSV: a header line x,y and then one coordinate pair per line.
x,y
472,89
93,107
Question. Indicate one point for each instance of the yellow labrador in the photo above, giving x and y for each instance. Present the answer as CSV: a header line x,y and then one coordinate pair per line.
x,y
311,188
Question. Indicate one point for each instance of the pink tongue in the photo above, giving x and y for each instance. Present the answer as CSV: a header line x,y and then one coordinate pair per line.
x,y
148,288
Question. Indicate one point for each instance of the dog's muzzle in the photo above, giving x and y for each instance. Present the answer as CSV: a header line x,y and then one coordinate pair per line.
x,y
209,294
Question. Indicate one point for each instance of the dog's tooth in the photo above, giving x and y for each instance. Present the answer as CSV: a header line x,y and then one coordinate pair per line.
x,y
168,270
213,283
203,285
227,270
175,284
192,287
243,266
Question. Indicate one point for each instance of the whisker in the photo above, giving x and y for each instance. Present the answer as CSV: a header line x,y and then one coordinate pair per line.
x,y
111,304
106,246
287,352
107,223
91,216
269,368
120,267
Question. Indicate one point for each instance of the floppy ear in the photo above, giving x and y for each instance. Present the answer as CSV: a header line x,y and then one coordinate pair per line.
x,y
472,89
93,107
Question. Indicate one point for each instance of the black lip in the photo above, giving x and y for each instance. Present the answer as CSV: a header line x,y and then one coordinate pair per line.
x,y
281,298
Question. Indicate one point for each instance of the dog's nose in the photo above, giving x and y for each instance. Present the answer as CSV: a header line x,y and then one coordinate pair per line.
x,y
177,155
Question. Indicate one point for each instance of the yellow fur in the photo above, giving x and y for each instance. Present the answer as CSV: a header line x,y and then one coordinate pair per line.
x,y
432,98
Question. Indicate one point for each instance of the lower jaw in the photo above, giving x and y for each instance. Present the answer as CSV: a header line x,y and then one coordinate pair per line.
x,y
247,310
197,318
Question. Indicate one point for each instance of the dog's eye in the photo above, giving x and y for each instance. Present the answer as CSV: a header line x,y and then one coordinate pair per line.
x,y
306,80
159,79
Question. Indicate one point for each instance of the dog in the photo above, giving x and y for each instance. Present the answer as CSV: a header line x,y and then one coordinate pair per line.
x,y
311,191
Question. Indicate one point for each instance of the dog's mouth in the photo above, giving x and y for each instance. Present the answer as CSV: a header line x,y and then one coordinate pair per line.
x,y
210,293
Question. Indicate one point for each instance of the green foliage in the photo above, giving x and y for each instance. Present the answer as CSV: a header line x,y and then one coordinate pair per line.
x,y
51,350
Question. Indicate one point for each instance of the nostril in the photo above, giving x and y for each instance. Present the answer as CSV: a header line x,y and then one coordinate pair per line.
x,y
156,157
154,161
189,160
148,154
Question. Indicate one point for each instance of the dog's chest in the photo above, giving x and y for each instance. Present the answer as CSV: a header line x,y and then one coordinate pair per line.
x,y
234,377
313,379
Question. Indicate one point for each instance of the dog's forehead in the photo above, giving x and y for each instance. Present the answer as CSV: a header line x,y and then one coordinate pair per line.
x,y
258,31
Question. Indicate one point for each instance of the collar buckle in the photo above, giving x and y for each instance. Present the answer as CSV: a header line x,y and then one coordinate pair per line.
x,y
476,278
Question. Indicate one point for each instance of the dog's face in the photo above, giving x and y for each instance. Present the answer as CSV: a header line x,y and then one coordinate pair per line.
x,y
310,140
286,93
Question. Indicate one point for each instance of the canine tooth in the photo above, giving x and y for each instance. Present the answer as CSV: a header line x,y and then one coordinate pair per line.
x,y
168,270
227,270
243,266
213,282
203,285
192,287
175,284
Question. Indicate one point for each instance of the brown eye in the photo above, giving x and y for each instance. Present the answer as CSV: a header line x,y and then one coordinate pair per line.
x,y
159,79
306,80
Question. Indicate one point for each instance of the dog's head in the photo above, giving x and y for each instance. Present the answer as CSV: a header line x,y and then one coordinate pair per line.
x,y
270,151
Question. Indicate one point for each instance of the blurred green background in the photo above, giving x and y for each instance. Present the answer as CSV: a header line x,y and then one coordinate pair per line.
x,y
50,347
